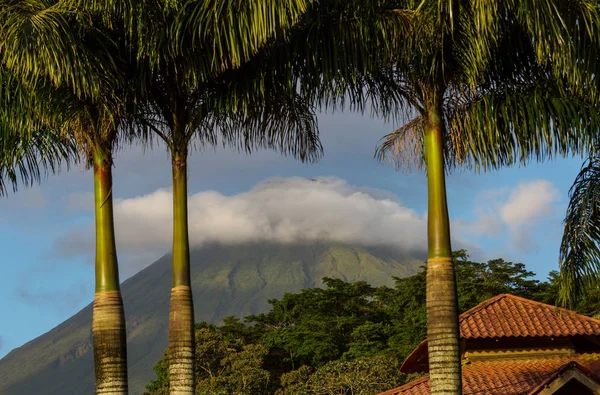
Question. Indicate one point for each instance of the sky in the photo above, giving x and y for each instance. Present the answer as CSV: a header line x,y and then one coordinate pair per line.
x,y
47,240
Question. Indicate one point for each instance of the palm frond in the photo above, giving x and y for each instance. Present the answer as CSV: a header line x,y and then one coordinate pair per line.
x,y
282,123
30,148
31,158
580,250
43,40
245,109
404,146
563,33
338,55
227,34
341,53
516,126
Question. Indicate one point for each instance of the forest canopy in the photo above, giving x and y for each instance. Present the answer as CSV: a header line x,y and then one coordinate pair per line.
x,y
345,338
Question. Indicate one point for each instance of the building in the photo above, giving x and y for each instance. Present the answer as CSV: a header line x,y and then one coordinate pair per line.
x,y
512,345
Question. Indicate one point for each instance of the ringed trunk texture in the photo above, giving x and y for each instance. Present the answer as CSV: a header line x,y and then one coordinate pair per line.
x,y
108,318
181,341
443,337
181,315
110,350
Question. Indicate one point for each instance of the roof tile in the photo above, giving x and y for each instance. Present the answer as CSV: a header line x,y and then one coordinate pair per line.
x,y
512,316
508,315
509,377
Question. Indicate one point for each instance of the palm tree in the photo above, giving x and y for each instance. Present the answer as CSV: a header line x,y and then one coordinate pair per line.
x,y
202,91
467,78
579,251
485,98
78,91
184,98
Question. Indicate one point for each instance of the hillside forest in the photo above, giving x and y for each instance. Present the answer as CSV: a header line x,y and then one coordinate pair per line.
x,y
345,338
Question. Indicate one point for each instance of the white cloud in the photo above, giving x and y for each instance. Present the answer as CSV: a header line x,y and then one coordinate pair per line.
x,y
518,211
528,203
280,210
487,223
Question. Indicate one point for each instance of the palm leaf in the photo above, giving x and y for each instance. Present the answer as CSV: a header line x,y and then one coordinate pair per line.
x,y
245,109
562,32
29,149
29,159
404,146
338,54
39,44
516,126
580,250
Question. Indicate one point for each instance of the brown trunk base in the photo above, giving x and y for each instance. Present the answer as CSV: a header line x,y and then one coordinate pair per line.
x,y
443,339
181,342
110,347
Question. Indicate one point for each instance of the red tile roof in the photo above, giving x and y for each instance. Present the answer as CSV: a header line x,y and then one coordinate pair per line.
x,y
508,315
511,377
512,316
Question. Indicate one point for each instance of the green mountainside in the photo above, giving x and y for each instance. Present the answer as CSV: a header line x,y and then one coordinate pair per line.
x,y
227,280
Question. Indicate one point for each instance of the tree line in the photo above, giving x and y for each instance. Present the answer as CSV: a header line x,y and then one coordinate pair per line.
x,y
344,338
473,84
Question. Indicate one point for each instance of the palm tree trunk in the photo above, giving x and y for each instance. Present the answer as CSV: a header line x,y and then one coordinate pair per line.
x,y
181,316
443,338
108,320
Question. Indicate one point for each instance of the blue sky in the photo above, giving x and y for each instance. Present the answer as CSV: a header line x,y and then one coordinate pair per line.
x,y
47,242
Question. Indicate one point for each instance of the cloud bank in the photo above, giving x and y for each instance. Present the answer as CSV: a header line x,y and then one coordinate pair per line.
x,y
281,210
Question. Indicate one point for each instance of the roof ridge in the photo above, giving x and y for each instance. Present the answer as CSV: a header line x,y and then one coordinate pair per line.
x,y
496,298
589,372
546,305
481,306
571,363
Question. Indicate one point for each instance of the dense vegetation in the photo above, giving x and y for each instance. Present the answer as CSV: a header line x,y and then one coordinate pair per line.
x,y
347,338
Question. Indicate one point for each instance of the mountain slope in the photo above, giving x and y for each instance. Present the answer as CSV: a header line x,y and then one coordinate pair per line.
x,y
227,280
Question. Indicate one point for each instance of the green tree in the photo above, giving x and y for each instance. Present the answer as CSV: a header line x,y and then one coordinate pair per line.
x,y
348,336
550,292
160,386
483,84
316,325
200,91
485,87
476,282
365,375
65,57
481,281
224,365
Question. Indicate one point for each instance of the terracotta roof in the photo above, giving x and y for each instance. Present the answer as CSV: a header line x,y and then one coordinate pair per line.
x,y
512,316
508,315
511,377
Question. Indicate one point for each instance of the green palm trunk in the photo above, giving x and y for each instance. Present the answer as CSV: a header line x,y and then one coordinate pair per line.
x,y
443,337
108,322
181,316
